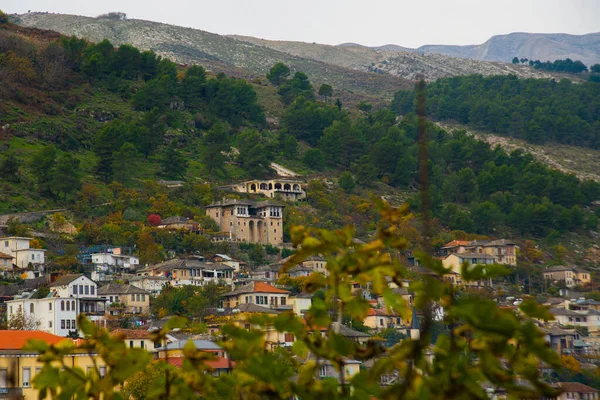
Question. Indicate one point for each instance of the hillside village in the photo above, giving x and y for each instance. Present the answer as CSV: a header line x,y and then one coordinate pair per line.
x,y
163,217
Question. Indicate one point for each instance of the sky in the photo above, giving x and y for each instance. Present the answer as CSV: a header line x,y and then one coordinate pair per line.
x,y
371,23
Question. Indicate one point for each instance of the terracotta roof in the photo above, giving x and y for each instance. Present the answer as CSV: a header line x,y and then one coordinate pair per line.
x,y
219,363
576,387
132,333
377,312
255,287
65,280
15,340
455,243
4,255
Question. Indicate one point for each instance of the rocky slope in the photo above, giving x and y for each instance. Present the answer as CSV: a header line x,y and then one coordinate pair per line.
x,y
216,52
352,68
536,46
394,60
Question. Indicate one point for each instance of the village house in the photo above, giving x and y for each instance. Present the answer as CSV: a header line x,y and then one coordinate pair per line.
x,y
301,303
504,251
173,353
151,284
284,189
589,319
57,312
190,271
259,293
19,367
378,319
224,259
249,221
575,391
137,338
17,251
559,339
128,299
268,273
571,276
455,261
178,223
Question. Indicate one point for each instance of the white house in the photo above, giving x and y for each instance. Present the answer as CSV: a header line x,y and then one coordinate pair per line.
x,y
57,313
301,303
22,254
115,260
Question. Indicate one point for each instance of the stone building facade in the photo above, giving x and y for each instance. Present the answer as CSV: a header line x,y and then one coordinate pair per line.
x,y
283,189
249,221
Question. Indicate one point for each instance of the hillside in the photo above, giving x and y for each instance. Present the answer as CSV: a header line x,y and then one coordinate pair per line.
x,y
535,46
351,68
395,60
217,53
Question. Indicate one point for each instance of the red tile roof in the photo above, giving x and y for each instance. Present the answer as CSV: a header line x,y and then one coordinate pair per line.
x,y
4,255
219,363
457,243
261,287
15,340
132,333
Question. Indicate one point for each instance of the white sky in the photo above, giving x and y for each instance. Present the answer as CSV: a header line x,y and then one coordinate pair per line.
x,y
405,23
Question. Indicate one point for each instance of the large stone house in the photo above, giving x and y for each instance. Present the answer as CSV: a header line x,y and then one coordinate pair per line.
x,y
504,251
249,221
190,271
571,276
284,189
132,299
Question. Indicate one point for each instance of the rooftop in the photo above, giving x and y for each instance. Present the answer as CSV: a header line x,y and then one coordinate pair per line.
x,y
15,340
218,363
4,255
254,308
576,387
119,288
199,344
132,333
65,280
255,287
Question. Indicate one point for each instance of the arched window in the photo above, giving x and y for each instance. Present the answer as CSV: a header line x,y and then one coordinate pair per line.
x,y
73,305
253,187
296,187
62,305
263,186
68,306
270,186
287,186
278,186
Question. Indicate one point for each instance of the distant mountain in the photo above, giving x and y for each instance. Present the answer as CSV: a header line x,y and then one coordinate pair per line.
x,y
535,46
355,69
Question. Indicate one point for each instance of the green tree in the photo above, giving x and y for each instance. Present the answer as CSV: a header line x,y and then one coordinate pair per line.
x,y
66,179
192,86
326,91
216,143
173,164
313,158
278,74
595,68
515,60
298,86
347,182
9,167
255,153
125,163
42,165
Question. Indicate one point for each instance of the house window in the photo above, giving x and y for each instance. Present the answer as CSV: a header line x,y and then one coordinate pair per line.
x,y
74,289
73,324
283,301
62,324
49,324
143,297
131,344
217,215
32,257
26,377
133,297
137,297
323,371
68,306
142,344
31,307
72,305
68,324
289,337
6,243
62,305
380,321
49,306
87,289
80,289
3,378
93,289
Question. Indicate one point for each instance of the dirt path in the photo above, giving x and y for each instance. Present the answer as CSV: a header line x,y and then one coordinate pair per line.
x,y
283,171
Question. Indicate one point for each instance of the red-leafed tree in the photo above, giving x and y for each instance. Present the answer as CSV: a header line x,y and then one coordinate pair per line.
x,y
154,219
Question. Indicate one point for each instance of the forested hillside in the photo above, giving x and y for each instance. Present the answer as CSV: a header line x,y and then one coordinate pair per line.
x,y
94,129
536,110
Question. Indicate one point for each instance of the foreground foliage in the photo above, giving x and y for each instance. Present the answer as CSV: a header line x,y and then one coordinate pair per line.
x,y
484,344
